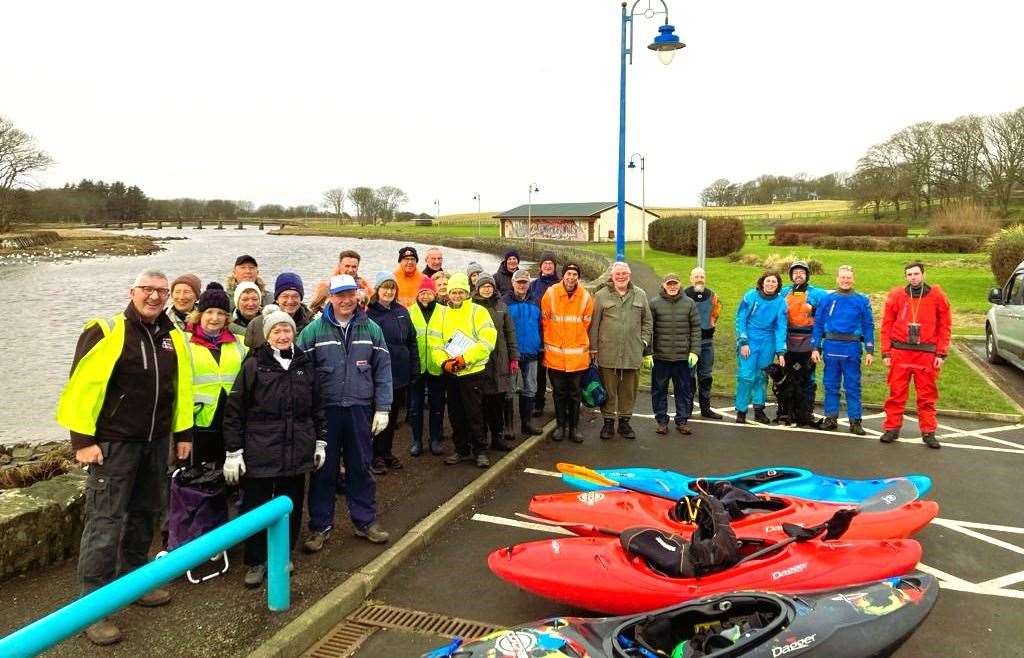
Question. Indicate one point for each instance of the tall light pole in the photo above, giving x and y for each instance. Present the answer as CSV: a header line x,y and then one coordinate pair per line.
x,y
437,211
529,208
665,44
476,197
643,202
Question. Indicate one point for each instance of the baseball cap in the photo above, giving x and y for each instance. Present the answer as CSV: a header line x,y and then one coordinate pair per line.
x,y
245,258
671,276
342,283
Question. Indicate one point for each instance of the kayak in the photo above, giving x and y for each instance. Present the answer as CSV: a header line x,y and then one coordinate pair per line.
x,y
785,480
596,573
588,512
854,622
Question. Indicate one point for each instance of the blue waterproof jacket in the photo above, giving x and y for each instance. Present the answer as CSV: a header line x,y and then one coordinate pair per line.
x,y
526,319
540,285
400,336
761,321
844,315
354,366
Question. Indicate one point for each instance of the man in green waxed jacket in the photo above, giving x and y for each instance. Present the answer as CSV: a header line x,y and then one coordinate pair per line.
x,y
620,342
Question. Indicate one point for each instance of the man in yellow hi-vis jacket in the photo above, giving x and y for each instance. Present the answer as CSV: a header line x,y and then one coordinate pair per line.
x,y
460,339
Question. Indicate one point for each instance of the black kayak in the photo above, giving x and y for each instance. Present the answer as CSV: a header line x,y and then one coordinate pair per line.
x,y
855,622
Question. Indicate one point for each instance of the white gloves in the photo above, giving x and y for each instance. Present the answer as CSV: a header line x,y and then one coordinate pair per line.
x,y
692,360
320,456
380,422
234,467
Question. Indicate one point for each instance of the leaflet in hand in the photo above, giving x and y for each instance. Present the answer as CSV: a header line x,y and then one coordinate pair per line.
x,y
458,344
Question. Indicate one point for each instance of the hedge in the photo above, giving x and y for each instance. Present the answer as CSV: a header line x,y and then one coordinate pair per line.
x,y
592,264
958,244
1006,251
679,235
882,230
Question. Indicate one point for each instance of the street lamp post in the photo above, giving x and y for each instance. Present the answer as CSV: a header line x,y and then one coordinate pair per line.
x,y
437,211
643,203
476,197
665,44
529,209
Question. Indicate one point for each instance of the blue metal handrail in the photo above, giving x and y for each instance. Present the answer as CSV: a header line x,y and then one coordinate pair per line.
x,y
72,618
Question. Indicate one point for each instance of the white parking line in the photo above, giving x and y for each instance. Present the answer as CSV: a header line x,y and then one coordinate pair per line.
x,y
1004,581
988,526
953,525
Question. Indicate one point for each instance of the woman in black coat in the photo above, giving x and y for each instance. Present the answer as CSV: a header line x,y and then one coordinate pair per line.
x,y
400,336
274,432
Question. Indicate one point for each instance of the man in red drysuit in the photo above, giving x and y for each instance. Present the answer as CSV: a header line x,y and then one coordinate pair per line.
x,y
916,328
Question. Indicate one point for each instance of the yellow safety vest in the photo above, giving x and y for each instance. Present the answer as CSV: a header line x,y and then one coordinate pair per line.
x,y
471,319
420,324
82,398
210,377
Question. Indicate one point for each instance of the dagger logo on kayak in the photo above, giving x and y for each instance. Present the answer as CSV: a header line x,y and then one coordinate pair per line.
x,y
590,498
802,643
795,569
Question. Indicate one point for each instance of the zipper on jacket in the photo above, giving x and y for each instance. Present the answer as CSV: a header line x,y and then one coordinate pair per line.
x,y
156,382
145,361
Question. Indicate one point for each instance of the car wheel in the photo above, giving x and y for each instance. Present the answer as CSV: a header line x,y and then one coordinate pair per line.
x,y
991,351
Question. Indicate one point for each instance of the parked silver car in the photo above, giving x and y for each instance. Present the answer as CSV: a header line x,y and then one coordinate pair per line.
x,y
1004,322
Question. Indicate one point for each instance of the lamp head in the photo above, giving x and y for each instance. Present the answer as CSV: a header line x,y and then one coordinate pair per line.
x,y
631,165
666,43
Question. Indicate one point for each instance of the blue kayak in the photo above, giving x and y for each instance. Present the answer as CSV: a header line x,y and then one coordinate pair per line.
x,y
783,480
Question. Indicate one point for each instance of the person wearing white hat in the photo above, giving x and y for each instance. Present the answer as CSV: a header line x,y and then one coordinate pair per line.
x,y
353,363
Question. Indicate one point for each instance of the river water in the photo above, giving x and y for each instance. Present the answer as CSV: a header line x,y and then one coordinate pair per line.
x,y
46,303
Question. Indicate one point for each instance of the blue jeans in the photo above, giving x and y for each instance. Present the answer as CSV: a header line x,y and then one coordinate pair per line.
x,y
427,391
679,373
348,438
528,370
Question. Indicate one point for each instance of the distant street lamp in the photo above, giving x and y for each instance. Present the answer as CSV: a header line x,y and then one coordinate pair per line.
x,y
476,197
665,44
529,209
643,202
437,211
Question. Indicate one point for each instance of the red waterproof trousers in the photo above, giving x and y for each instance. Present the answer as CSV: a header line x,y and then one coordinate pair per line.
x,y
919,366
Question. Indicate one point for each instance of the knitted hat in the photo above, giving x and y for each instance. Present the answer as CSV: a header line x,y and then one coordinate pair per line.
x,y
384,276
405,252
572,266
190,280
246,285
342,283
275,318
548,255
427,284
288,281
473,267
214,297
518,275
482,280
459,281
509,254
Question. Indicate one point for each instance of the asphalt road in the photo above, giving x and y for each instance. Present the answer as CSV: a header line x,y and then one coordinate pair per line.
x,y
974,481
1008,378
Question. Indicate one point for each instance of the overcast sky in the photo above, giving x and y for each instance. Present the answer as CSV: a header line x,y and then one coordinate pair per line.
x,y
276,102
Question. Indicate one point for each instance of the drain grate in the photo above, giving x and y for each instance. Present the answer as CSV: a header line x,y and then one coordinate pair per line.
x,y
386,616
342,640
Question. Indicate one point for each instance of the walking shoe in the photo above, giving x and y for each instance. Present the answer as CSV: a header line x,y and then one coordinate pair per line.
x,y
254,575
482,461
153,598
538,412
855,428
608,431
662,428
761,417
710,413
436,448
741,417
456,457
373,533
392,462
558,434
103,632
930,440
625,430
575,435
316,542
416,449
526,429
378,466
683,429
501,444
889,436
829,423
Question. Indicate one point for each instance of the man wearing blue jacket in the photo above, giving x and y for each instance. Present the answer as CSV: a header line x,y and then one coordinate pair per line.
x,y
352,361
841,324
525,314
760,339
802,300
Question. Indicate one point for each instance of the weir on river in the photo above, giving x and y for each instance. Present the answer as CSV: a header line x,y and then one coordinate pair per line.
x,y
46,303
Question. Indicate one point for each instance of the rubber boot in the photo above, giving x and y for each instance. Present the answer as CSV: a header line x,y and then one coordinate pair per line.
x,y
509,433
525,407
574,425
498,441
559,432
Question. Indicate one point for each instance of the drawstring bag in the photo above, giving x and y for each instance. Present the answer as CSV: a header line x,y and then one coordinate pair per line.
x,y
198,504
591,389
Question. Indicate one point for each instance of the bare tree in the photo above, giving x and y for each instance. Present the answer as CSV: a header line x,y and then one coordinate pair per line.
x,y
1002,155
389,198
19,158
719,193
334,200
916,149
366,203
960,143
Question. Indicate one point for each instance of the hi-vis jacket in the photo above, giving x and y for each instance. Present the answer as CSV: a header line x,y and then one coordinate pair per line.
x,y
211,376
474,322
565,322
130,381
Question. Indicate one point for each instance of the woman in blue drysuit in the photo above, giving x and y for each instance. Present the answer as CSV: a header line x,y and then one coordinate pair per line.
x,y
760,337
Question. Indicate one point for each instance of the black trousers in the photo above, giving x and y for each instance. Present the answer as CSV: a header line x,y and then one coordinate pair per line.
x,y
383,442
124,498
465,411
494,413
801,368
565,387
542,384
255,492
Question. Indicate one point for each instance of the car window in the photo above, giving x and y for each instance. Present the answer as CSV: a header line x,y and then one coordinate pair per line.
x,y
1016,296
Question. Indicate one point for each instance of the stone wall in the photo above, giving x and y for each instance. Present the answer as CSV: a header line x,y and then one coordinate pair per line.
x,y
33,239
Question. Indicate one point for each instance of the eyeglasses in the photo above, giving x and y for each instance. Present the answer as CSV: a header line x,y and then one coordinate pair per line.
x,y
149,290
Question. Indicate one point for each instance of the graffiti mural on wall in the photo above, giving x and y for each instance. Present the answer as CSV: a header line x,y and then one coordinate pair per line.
x,y
548,229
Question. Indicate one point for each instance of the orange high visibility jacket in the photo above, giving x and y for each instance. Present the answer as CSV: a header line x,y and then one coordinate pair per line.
x,y
565,322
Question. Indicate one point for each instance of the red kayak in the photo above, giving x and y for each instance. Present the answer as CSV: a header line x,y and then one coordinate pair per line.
x,y
596,573
618,510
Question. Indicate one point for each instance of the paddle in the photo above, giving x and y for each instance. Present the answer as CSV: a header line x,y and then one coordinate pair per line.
x,y
593,477
588,527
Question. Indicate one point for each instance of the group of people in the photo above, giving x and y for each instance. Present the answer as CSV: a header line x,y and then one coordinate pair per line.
x,y
286,397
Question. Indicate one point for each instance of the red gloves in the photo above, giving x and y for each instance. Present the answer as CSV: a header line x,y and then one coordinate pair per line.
x,y
513,367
